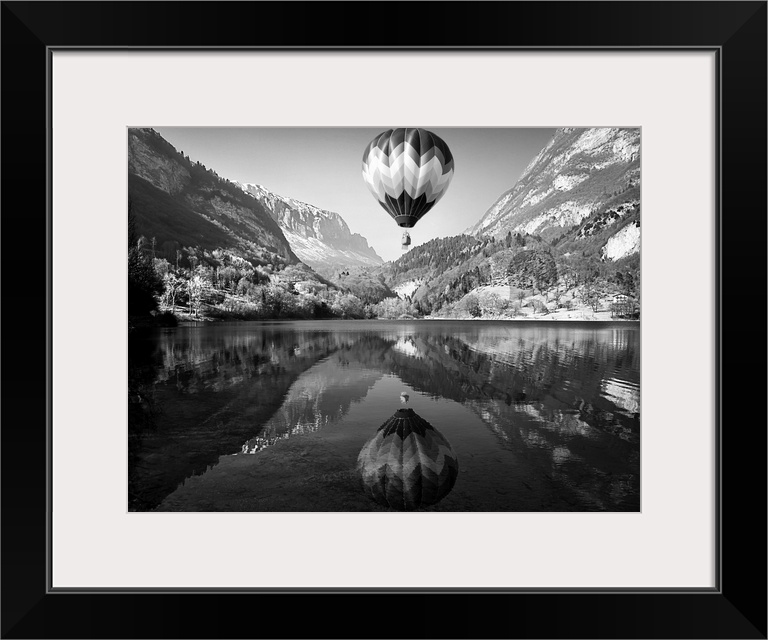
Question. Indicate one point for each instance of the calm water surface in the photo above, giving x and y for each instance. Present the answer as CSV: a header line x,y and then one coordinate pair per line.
x,y
271,416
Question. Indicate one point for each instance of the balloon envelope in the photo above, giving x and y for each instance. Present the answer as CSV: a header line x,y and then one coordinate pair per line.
x,y
407,171
408,463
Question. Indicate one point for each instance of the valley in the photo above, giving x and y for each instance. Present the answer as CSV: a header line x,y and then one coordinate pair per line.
x,y
562,243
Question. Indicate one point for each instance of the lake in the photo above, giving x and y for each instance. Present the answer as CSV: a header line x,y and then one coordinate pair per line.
x,y
479,415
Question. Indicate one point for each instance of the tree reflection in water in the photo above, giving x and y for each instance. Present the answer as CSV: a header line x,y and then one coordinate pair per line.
x,y
564,398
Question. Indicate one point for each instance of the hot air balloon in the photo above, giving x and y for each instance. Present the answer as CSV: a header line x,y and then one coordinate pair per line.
x,y
405,240
407,171
408,463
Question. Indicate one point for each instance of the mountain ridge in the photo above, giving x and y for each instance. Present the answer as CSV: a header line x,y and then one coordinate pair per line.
x,y
319,237
577,177
178,201
568,230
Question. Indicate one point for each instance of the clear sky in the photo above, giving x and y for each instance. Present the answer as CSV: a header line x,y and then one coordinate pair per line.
x,y
322,166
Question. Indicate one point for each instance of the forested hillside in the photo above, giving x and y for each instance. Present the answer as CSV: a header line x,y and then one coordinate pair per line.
x,y
564,243
202,248
522,275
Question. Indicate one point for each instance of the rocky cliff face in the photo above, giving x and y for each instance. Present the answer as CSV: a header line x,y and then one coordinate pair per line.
x,y
149,158
584,183
183,204
319,238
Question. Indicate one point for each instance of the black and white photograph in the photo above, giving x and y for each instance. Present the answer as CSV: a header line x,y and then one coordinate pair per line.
x,y
384,319
362,281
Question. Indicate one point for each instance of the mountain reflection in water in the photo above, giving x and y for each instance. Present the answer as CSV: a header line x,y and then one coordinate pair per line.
x,y
544,416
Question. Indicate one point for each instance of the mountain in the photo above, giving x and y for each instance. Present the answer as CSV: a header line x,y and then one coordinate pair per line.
x,y
184,206
319,238
566,236
583,186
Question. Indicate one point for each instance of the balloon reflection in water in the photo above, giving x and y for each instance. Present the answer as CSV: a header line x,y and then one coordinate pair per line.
x,y
408,463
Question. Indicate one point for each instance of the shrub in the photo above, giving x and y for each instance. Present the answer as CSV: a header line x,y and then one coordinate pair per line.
x,y
540,307
473,306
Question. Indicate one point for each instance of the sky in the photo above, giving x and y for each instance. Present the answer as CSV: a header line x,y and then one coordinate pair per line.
x,y
323,167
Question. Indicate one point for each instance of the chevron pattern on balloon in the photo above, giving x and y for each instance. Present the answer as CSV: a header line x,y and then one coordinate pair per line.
x,y
408,463
407,171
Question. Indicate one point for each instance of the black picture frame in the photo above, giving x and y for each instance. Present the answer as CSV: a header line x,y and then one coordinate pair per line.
x,y
736,608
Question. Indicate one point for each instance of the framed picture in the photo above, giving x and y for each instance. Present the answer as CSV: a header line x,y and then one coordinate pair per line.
x,y
94,530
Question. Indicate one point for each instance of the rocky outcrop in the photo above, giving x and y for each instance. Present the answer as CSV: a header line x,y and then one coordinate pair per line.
x,y
183,204
319,238
151,157
624,243
583,178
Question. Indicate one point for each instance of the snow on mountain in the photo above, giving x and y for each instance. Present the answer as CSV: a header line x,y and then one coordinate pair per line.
x,y
320,238
582,177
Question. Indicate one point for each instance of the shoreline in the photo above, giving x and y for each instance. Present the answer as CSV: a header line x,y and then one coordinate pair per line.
x,y
190,323
135,322
537,319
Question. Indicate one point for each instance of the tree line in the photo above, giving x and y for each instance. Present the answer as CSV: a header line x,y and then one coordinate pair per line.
x,y
197,283
451,269
202,284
